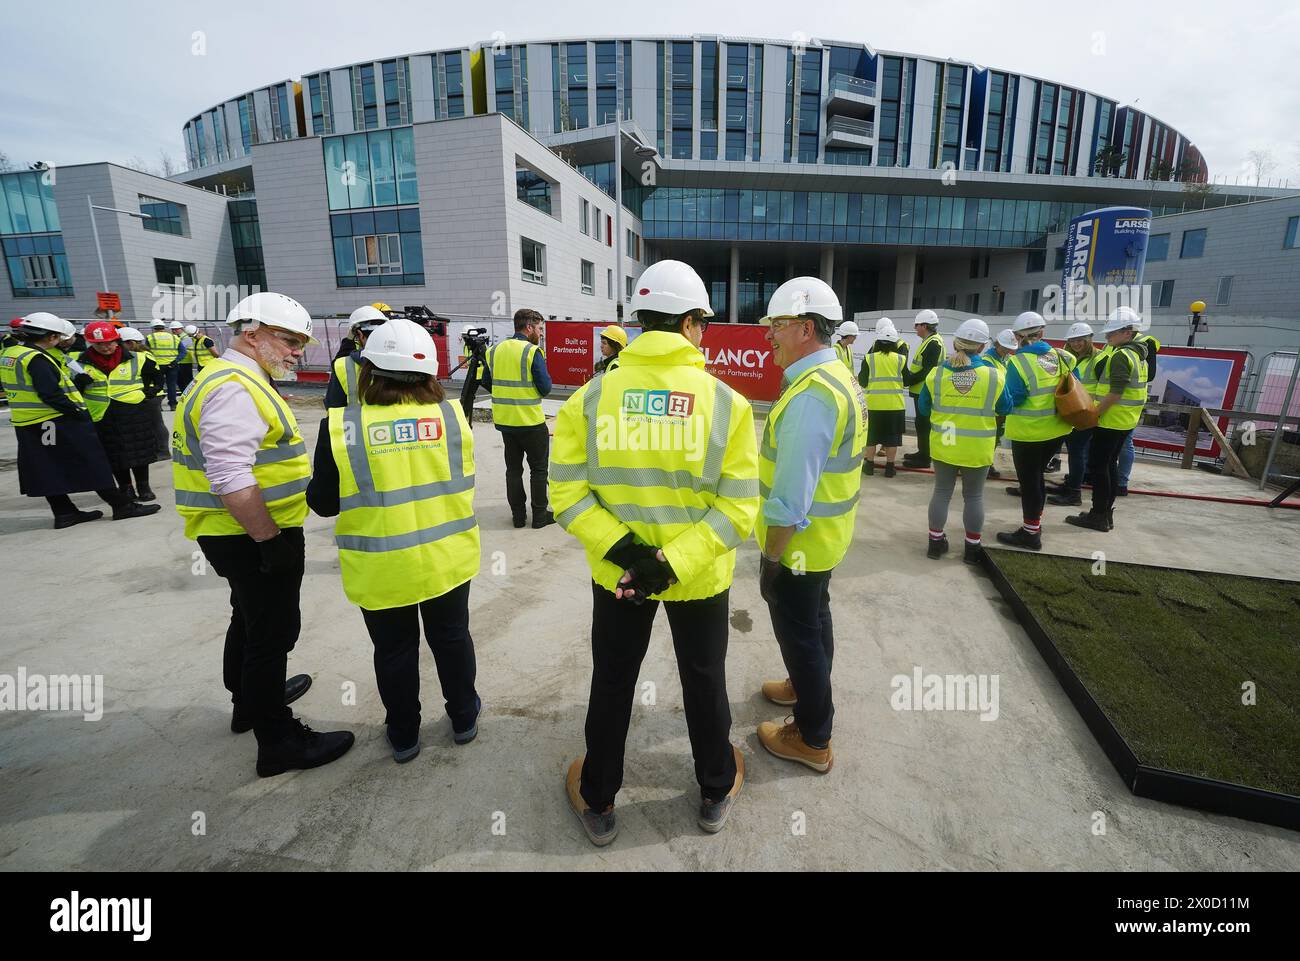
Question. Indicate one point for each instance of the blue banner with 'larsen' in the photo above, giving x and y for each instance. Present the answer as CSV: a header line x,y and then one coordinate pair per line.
x,y
1104,248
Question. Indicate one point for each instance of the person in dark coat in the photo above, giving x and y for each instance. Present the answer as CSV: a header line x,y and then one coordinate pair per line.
x,y
133,341
59,451
116,384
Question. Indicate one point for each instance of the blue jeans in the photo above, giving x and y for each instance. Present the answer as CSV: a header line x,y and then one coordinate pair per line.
x,y
801,620
172,374
1126,455
1076,445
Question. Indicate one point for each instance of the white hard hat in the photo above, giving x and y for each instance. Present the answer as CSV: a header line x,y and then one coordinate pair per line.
x,y
369,314
41,320
1079,330
159,323
274,310
1029,320
1007,338
191,329
1122,318
175,325
803,296
401,345
670,287
848,329
927,317
130,333
974,330
885,330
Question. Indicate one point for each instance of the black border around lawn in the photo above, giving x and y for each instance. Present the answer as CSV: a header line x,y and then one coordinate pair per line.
x,y
1206,794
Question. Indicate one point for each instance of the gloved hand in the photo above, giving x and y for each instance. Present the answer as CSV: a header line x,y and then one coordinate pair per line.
x,y
768,570
627,552
278,555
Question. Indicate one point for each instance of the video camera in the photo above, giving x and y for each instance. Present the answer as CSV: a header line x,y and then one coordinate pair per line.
x,y
476,339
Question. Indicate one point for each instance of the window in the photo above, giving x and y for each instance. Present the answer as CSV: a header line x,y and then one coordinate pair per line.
x,y
630,283
371,169
999,301
39,271
974,267
595,225
1035,263
377,254
609,284
534,260
584,215
609,231
1058,259
1031,299
163,215
1225,291
1193,243
587,277
173,272
1158,248
950,302
1165,296
533,189
973,303
378,248
1291,241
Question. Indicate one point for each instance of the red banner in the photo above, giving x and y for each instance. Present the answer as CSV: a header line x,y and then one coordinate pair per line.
x,y
571,351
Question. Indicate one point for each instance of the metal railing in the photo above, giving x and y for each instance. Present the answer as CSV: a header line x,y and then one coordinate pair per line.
x,y
847,84
851,127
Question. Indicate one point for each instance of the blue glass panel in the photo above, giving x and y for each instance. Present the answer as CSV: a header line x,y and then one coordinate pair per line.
x,y
408,219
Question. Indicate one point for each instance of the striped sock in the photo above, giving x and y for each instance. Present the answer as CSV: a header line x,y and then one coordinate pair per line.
x,y
973,538
1032,527
936,535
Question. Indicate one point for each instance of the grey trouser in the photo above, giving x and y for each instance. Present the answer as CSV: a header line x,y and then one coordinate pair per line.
x,y
972,495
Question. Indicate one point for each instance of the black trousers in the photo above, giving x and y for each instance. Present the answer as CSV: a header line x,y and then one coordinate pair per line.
x,y
264,626
396,635
184,374
1103,457
61,504
923,435
123,477
801,619
620,635
536,443
1031,457
171,373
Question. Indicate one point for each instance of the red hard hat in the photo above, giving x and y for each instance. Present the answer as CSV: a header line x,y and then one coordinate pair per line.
x,y
16,322
100,332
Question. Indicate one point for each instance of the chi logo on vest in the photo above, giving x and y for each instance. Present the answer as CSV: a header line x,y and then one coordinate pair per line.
x,y
658,403
409,431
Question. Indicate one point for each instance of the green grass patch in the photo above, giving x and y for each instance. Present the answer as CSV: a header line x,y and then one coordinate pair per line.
x,y
1165,654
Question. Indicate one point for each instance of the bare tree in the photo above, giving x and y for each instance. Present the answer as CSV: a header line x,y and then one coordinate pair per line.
x,y
166,164
1261,163
5,163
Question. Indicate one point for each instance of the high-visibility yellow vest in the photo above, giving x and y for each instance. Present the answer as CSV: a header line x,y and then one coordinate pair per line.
x,y
25,404
1125,413
347,370
963,414
1085,368
662,449
885,390
823,543
1036,418
914,362
516,401
997,361
281,467
202,351
164,345
1151,346
124,384
845,353
406,530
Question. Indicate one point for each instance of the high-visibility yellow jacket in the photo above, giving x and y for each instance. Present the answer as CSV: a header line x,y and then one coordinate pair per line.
x,y
124,384
164,345
281,467
823,543
1126,413
25,404
664,450
406,530
1036,418
885,390
963,417
516,401
347,370
914,362
845,353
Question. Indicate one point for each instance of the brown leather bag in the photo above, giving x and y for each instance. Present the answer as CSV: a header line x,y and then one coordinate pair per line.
x,y
1074,403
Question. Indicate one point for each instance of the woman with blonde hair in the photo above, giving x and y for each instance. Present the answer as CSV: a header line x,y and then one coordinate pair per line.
x,y
962,397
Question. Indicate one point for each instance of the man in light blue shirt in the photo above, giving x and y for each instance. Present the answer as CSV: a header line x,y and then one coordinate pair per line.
x,y
804,439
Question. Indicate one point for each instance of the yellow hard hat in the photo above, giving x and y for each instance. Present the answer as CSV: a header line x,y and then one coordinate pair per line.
x,y
381,306
615,333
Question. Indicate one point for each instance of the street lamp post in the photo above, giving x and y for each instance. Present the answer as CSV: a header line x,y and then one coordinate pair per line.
x,y
94,229
1197,308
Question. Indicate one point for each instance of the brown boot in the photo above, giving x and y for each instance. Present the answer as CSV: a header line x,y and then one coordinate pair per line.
x,y
788,744
780,692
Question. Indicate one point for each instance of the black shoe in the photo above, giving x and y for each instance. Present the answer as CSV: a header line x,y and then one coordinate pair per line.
x,y
890,471
1067,498
294,688
543,520
521,521
974,554
72,520
1121,492
130,492
403,754
937,548
995,474
1021,538
910,460
471,732
146,494
132,509
1091,521
300,748
868,467
1013,491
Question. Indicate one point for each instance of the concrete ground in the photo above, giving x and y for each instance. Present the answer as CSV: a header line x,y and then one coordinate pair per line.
x,y
909,790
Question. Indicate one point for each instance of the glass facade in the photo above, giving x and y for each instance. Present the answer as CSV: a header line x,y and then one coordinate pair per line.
x,y
602,175
375,169
709,100
683,91
606,82
736,111
894,130
164,216
30,235
510,76
1193,243
1157,247
378,248
365,101
1000,122
454,84
533,189
246,237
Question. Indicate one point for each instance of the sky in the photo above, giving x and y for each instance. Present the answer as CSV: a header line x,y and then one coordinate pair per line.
x,y
86,82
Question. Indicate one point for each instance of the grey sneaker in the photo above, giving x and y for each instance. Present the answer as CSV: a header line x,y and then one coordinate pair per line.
x,y
713,814
601,826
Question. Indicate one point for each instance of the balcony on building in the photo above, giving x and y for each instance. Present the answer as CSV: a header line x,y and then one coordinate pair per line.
x,y
848,132
850,96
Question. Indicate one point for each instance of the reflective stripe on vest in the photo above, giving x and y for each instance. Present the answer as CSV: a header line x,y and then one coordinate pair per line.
x,y
914,362
1125,413
165,347
281,466
1036,418
516,401
823,543
885,390
25,404
406,530
123,384
963,426
347,370
845,353
202,352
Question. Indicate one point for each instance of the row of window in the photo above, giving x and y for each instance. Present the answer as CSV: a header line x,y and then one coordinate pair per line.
x,y
38,266
375,169
532,257
378,248
27,203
